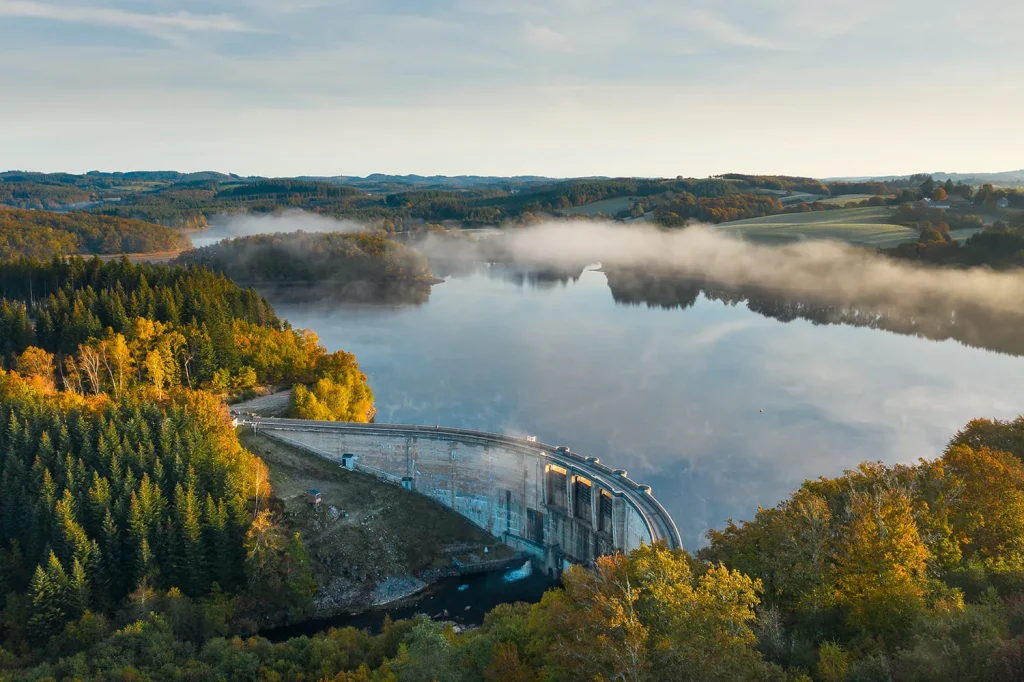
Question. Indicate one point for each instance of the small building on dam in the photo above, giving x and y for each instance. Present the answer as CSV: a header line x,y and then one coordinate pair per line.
x,y
550,502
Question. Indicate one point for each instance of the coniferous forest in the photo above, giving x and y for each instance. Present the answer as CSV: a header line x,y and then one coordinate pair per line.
x,y
103,327
120,474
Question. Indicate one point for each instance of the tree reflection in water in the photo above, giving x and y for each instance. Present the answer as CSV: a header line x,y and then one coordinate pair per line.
x,y
972,324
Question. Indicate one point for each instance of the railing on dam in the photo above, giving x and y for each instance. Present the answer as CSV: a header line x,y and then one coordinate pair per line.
x,y
659,523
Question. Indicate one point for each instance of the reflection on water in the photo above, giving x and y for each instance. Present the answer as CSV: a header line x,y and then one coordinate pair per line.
x,y
974,325
333,294
674,394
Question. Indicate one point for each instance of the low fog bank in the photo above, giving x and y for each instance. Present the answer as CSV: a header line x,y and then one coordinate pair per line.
x,y
306,257
816,270
823,271
227,226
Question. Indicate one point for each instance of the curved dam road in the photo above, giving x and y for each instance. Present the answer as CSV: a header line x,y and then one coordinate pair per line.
x,y
550,502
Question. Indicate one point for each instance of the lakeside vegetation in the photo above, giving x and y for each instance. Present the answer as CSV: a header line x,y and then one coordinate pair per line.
x,y
102,327
912,571
354,266
1000,247
42,234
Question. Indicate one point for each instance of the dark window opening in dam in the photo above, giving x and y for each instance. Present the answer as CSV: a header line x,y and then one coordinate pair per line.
x,y
557,496
508,510
604,522
581,495
535,526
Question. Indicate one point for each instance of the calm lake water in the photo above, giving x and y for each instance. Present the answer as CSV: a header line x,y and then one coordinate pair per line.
x,y
675,396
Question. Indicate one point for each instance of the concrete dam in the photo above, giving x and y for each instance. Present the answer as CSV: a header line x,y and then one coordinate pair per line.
x,y
546,501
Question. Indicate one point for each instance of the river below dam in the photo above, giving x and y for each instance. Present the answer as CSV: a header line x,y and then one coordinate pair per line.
x,y
463,600
720,409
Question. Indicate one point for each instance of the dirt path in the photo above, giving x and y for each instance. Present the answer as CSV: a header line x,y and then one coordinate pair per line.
x,y
368,536
271,405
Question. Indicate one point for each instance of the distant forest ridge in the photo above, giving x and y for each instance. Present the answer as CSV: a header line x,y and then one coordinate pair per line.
x,y
940,213
465,180
1007,178
187,200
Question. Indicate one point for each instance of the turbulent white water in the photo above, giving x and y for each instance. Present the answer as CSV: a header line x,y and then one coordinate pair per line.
x,y
521,573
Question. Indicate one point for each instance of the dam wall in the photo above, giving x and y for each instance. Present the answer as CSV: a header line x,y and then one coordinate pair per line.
x,y
548,501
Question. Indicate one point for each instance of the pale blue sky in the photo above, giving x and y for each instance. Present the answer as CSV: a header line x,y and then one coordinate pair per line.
x,y
550,87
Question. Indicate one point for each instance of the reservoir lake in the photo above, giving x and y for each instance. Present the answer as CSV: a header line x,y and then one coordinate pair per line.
x,y
718,408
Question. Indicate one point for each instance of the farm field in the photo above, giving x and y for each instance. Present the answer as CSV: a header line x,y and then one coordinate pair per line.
x,y
789,197
844,199
860,226
606,206
964,234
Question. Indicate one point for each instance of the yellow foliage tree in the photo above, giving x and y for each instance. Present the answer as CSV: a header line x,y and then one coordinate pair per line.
x,y
592,629
118,362
880,564
989,516
37,364
155,371
342,394
699,615
654,615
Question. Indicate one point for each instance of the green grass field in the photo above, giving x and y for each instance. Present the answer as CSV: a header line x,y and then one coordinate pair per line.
x,y
789,197
861,226
844,199
606,206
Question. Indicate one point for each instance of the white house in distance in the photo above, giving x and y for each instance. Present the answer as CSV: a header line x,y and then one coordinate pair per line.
x,y
944,205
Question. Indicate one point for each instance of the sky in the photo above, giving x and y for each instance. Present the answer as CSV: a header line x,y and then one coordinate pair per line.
x,y
521,87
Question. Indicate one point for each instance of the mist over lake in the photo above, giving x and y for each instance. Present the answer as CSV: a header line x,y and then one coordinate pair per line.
x,y
675,396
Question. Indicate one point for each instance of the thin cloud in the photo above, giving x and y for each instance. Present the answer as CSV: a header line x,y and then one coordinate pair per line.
x,y
723,31
147,23
546,38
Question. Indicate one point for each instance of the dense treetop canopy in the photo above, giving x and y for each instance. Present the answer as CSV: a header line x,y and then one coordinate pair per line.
x,y
42,234
313,257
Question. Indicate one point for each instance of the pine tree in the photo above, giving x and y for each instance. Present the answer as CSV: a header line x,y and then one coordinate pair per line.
x,y
111,584
298,575
217,543
78,590
52,604
192,573
47,615
137,540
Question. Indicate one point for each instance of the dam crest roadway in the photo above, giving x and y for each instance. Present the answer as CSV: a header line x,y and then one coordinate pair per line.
x,y
553,504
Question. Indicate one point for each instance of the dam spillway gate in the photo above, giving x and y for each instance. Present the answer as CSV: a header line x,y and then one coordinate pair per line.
x,y
549,502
